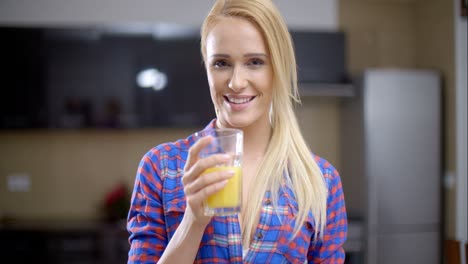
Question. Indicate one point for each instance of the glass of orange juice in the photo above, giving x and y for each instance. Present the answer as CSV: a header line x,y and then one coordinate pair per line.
x,y
225,141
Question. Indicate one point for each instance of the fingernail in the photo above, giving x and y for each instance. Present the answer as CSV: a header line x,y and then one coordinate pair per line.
x,y
223,183
229,173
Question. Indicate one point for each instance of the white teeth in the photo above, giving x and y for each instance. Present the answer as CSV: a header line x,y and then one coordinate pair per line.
x,y
239,100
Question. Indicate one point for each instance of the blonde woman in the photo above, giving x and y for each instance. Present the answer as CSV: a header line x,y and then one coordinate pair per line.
x,y
293,208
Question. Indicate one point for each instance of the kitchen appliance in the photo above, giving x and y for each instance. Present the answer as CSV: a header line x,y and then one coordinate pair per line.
x,y
391,164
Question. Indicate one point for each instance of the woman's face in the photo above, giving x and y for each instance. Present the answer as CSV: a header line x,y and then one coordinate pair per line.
x,y
239,72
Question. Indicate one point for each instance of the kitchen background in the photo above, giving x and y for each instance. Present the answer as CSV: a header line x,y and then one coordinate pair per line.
x,y
62,176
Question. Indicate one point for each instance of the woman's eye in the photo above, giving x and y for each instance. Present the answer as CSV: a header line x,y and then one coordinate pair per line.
x,y
256,62
219,64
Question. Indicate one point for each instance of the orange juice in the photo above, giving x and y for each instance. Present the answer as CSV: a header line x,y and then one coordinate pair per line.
x,y
229,196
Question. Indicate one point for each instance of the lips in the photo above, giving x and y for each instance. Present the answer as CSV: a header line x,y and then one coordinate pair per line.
x,y
238,99
238,103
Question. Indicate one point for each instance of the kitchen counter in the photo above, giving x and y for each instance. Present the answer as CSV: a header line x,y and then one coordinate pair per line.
x,y
98,242
64,242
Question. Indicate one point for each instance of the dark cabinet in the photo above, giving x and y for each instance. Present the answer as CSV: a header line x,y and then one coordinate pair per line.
x,y
100,244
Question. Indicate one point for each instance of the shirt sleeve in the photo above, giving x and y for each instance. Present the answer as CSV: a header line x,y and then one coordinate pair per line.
x,y
329,249
145,223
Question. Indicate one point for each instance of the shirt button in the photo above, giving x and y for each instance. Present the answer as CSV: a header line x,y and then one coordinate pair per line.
x,y
259,236
268,202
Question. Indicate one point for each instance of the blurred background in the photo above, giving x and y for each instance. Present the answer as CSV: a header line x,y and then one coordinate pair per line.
x,y
90,86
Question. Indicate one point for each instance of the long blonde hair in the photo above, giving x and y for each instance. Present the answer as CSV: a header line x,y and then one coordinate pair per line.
x,y
287,151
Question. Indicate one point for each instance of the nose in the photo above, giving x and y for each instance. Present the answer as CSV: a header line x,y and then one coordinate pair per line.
x,y
238,79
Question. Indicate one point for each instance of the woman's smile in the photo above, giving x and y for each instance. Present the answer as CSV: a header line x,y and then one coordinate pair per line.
x,y
238,102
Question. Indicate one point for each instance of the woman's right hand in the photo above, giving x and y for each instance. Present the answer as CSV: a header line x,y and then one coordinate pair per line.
x,y
197,188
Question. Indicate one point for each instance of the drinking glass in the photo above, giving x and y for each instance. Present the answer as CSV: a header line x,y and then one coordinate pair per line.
x,y
224,141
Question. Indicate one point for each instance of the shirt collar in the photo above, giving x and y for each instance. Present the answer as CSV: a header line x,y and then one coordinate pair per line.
x,y
211,125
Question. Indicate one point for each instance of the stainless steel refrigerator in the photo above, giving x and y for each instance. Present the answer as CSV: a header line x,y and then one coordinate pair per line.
x,y
392,162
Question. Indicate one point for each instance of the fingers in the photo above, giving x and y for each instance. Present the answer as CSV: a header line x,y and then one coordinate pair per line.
x,y
195,150
207,191
206,180
203,164
199,187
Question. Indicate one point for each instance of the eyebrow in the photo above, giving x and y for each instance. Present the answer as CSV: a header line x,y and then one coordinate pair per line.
x,y
222,55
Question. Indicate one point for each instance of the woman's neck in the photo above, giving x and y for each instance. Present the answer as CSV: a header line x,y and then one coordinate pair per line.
x,y
256,139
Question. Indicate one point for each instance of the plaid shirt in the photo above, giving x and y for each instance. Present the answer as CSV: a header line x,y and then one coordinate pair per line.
x,y
158,205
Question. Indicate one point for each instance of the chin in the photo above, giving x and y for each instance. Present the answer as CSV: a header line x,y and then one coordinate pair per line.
x,y
235,122
241,121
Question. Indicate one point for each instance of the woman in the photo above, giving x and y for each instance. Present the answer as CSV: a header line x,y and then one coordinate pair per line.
x,y
292,206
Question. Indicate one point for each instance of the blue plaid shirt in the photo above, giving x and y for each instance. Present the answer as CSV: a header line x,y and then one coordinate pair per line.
x,y
158,205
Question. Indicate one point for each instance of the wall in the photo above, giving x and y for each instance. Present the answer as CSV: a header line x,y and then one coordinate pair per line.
x,y
405,33
70,171
461,56
435,40
318,14
380,33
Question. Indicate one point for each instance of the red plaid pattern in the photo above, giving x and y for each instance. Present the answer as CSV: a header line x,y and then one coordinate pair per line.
x,y
158,205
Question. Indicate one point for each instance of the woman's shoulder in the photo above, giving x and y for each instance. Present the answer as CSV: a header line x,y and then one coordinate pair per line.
x,y
163,162
327,169
170,150
333,182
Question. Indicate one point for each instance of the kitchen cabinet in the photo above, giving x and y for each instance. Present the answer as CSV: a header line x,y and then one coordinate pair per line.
x,y
65,243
